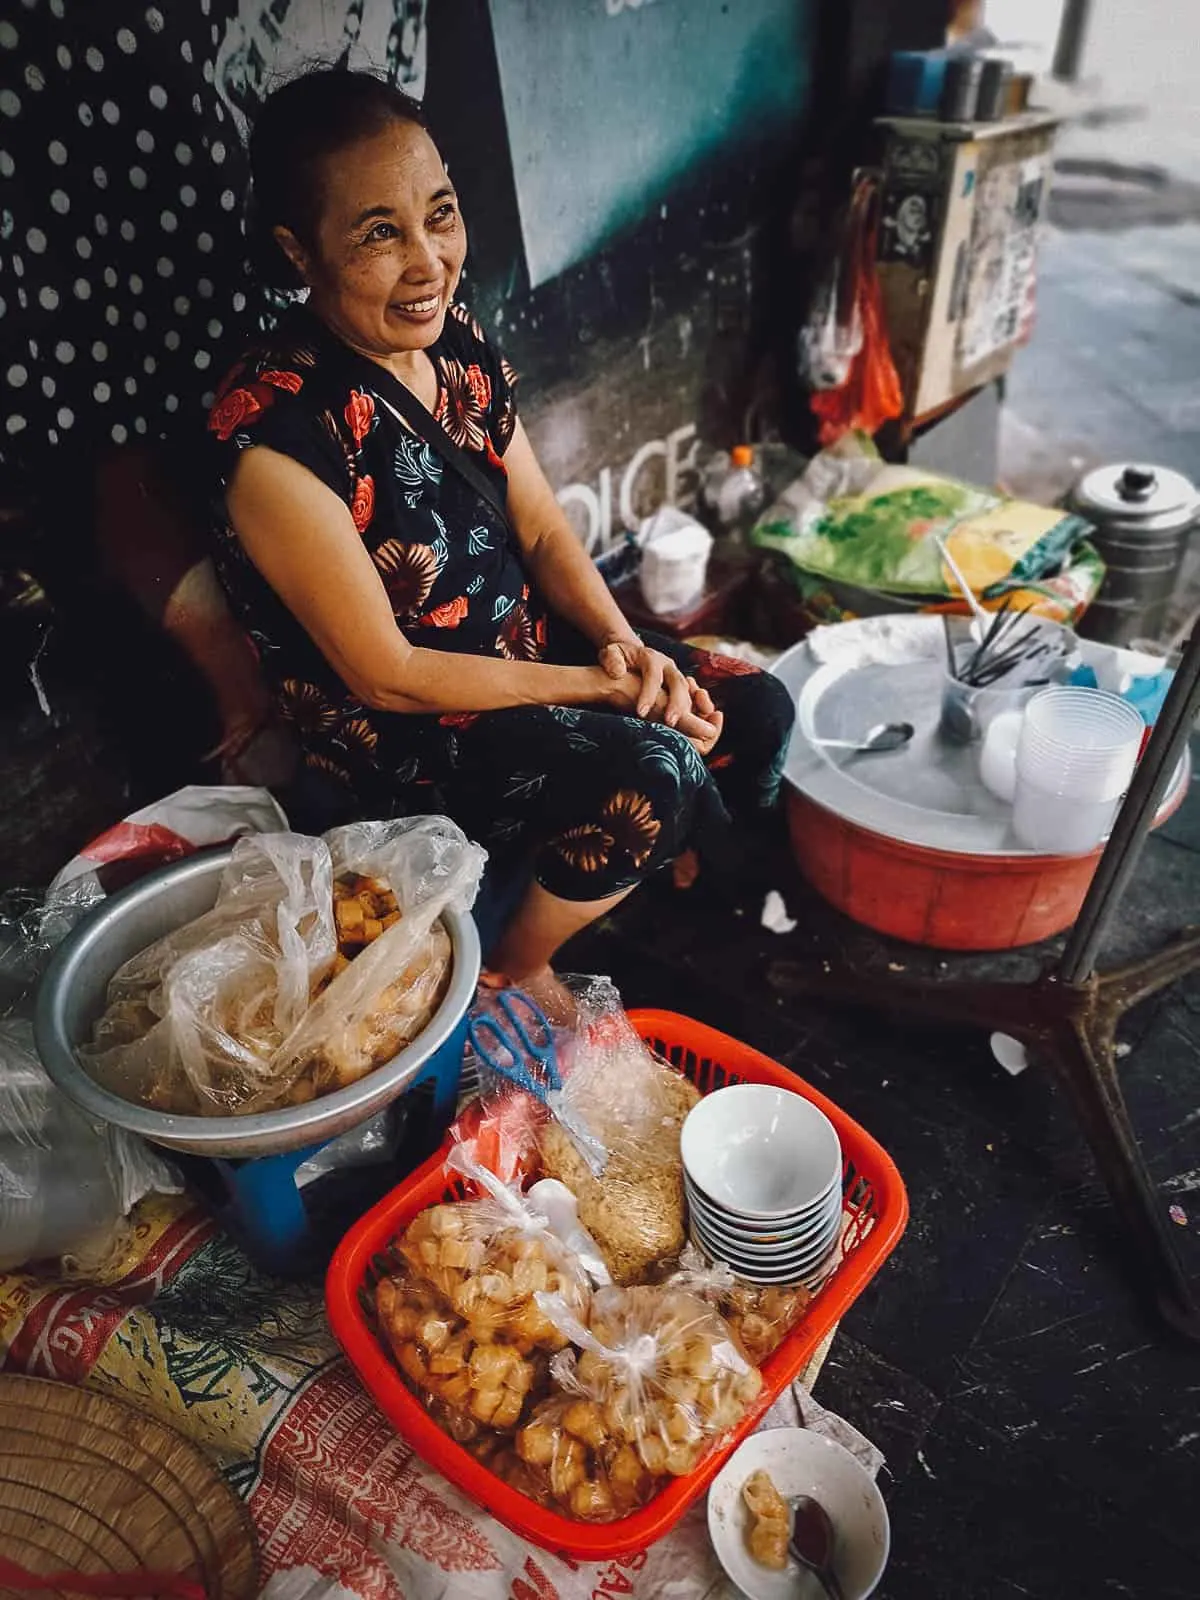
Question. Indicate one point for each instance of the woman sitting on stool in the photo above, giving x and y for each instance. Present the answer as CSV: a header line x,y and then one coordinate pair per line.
x,y
426,616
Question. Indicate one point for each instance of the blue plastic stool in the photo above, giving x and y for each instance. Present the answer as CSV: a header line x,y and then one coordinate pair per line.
x,y
262,1207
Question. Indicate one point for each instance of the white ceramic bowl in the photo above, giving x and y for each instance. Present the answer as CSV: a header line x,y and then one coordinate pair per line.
x,y
815,1273
760,1152
795,1233
795,1254
801,1462
795,1266
777,1228
729,1228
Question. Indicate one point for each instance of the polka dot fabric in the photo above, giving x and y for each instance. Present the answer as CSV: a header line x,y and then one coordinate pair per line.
x,y
122,283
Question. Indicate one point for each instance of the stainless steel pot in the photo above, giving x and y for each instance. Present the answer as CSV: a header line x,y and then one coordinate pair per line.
x,y
1143,517
73,994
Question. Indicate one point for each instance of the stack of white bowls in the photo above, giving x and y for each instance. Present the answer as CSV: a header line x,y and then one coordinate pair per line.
x,y
762,1169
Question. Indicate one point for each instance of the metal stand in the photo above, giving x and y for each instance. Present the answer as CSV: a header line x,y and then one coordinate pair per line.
x,y
1069,1015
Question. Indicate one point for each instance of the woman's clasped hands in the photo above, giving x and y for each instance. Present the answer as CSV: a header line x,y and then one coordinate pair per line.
x,y
661,692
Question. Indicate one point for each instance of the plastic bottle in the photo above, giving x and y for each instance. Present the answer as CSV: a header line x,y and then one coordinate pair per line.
x,y
733,492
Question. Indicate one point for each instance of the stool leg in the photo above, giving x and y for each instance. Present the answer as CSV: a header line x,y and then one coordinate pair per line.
x,y
443,1070
269,1208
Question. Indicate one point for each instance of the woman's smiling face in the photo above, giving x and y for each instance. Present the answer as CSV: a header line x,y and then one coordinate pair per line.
x,y
389,243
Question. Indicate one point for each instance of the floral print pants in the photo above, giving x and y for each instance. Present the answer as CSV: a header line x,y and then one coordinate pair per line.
x,y
599,801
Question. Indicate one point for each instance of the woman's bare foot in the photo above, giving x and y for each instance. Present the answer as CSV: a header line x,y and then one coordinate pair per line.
x,y
685,869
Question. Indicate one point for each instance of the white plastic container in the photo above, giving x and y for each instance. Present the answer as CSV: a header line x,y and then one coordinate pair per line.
x,y
675,552
1075,758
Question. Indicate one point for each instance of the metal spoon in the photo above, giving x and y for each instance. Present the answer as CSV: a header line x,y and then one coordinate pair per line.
x,y
812,1542
883,736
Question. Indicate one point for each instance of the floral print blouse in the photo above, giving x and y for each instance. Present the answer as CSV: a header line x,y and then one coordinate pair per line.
x,y
452,571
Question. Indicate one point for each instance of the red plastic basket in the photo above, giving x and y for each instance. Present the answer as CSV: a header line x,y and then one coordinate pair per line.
x,y
877,1208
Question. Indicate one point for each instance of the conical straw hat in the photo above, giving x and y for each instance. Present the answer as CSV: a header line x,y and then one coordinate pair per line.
x,y
91,1485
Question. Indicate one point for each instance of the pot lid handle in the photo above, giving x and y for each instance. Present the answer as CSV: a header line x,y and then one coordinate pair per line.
x,y
1137,484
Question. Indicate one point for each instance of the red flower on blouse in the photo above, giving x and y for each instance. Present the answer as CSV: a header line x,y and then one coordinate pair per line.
x,y
291,381
712,668
447,615
360,411
362,507
459,719
479,384
238,406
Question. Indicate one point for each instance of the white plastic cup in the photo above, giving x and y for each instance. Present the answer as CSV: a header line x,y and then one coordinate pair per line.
x,y
1075,757
675,552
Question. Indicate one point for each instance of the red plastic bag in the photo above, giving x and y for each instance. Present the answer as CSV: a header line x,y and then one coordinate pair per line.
x,y
500,1133
193,818
871,394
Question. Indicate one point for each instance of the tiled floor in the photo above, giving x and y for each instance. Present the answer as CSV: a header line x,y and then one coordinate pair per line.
x,y
1042,1432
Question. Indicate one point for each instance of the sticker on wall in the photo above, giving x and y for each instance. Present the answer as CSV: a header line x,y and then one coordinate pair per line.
x,y
915,158
269,41
1001,279
907,227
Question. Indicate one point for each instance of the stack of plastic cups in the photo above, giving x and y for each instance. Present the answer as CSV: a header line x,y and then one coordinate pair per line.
x,y
1075,757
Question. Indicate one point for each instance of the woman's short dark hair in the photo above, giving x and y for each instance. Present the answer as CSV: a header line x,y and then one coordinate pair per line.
x,y
300,125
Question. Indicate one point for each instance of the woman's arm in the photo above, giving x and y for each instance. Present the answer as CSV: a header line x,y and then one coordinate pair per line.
x,y
561,567
567,577
300,536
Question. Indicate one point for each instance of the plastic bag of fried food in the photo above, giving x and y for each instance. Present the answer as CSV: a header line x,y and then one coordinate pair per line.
x,y
466,1373
655,1378
288,988
633,1107
462,1315
379,1000
760,1316
194,1023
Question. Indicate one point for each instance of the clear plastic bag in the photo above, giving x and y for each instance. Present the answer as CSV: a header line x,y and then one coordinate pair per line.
x,y
66,1184
499,1130
833,335
195,1022
459,1308
633,1107
384,998
235,1012
33,925
656,1380
759,1316
31,928
471,1385
491,1256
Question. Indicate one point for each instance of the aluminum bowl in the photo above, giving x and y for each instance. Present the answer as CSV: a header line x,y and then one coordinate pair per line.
x,y
74,990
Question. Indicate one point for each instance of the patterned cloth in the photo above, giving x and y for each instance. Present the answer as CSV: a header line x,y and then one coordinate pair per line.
x,y
594,800
246,1367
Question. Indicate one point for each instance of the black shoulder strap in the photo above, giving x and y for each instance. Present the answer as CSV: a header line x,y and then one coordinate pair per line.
x,y
369,374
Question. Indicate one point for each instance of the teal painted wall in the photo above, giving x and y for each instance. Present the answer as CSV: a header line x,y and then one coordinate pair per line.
x,y
611,104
